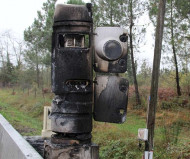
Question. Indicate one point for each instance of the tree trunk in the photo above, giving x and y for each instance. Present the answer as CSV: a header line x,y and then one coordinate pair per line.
x,y
149,145
111,14
37,70
174,52
42,78
2,58
138,100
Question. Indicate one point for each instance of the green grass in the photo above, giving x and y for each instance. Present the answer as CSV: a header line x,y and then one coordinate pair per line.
x,y
132,124
21,121
23,111
119,141
116,141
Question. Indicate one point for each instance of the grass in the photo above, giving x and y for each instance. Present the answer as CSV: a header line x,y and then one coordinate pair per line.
x,y
116,141
23,111
132,124
21,121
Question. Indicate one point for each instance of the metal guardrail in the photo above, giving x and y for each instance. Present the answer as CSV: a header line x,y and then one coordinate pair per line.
x,y
13,145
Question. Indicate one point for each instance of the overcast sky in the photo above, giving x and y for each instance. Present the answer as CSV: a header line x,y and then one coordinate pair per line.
x,y
17,15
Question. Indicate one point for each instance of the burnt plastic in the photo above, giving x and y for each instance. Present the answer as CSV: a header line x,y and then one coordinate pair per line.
x,y
110,58
111,98
110,45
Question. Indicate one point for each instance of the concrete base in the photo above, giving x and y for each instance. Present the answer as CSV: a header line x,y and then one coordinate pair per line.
x,y
13,145
57,151
46,132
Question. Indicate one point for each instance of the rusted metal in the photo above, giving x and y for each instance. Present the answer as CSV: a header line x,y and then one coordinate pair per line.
x,y
111,98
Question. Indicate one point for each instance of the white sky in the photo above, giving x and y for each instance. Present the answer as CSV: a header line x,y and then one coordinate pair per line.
x,y
17,15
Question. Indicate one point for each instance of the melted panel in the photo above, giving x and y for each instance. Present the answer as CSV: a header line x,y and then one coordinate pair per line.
x,y
111,99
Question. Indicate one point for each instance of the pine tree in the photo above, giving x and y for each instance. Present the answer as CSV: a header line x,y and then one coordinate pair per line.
x,y
78,2
38,39
177,27
109,13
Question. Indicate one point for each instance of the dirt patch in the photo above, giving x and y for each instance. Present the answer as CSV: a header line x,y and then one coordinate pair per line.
x,y
23,129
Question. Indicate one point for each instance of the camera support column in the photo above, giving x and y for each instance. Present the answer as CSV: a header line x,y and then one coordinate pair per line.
x,y
72,84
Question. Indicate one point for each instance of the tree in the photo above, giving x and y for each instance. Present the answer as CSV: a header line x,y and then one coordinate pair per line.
x,y
38,39
79,2
124,14
129,73
183,11
177,27
174,49
32,55
17,49
145,70
109,13
149,146
135,11
183,8
7,72
138,100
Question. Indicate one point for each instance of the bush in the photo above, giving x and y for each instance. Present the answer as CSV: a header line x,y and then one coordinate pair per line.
x,y
166,94
167,105
174,103
117,149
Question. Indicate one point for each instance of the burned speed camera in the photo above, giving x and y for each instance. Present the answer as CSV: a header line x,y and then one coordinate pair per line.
x,y
72,80
110,49
110,90
72,77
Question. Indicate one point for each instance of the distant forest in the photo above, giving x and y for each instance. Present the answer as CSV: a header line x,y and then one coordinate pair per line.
x,y
27,64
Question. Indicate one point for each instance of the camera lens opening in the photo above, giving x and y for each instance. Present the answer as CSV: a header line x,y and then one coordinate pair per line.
x,y
112,50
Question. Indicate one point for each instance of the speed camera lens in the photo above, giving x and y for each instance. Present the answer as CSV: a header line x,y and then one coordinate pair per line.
x,y
112,50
